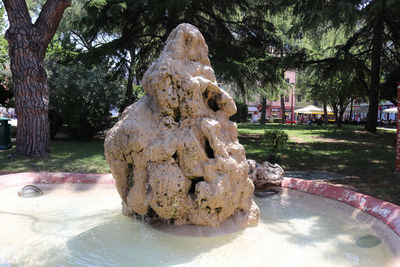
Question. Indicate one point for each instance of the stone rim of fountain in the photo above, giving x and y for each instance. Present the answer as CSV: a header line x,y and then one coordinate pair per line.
x,y
384,211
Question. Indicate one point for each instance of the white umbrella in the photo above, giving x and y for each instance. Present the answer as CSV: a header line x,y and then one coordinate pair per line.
x,y
390,110
252,109
311,109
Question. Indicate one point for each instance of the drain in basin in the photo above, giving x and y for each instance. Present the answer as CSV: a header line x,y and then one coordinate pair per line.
x,y
368,241
30,191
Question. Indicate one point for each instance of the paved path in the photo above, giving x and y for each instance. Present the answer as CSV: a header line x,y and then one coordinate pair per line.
x,y
313,175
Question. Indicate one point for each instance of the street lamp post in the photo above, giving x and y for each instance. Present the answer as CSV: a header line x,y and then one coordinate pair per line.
x,y
291,108
397,170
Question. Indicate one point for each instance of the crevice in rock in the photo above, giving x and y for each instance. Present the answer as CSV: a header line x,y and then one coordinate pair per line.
x,y
213,104
152,218
208,149
194,181
152,214
177,115
130,175
175,157
211,101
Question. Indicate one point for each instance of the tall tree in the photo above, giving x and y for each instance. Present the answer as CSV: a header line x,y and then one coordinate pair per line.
x,y
375,34
27,48
335,81
237,32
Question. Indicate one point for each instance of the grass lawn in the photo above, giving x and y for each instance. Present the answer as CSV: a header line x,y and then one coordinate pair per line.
x,y
65,156
368,158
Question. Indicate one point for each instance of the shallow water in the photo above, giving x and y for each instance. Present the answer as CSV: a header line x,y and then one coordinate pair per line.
x,y
86,228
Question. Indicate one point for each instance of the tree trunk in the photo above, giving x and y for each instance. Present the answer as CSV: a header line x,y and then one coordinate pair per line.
x,y
283,109
351,110
31,92
336,114
128,99
263,110
27,48
282,95
325,113
372,116
342,109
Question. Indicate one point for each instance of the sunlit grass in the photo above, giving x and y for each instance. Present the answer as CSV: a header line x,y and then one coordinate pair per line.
x,y
65,156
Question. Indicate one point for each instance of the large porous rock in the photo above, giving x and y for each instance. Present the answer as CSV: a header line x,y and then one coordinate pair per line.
x,y
265,173
175,154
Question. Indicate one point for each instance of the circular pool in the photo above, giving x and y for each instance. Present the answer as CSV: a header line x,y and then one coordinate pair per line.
x,y
82,225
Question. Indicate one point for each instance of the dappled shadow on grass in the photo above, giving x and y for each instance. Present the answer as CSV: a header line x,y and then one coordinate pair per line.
x,y
348,150
369,162
384,139
344,158
348,159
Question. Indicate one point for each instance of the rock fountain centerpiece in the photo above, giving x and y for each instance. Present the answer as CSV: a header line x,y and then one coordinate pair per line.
x,y
175,154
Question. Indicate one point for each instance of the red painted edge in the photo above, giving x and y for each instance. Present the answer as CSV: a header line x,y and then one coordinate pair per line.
x,y
382,210
385,211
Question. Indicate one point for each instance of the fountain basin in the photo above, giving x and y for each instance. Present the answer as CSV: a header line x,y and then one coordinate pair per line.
x,y
77,221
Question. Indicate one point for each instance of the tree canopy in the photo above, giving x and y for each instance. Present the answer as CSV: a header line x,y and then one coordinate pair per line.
x,y
372,46
342,49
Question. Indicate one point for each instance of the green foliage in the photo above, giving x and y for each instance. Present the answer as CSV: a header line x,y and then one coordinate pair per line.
x,y
241,114
336,81
240,35
6,85
2,20
371,43
81,99
276,139
277,120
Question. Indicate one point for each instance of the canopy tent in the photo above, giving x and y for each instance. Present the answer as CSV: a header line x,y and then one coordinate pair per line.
x,y
390,110
252,109
329,111
311,109
360,109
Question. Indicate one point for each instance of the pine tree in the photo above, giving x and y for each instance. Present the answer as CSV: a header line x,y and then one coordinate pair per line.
x,y
27,48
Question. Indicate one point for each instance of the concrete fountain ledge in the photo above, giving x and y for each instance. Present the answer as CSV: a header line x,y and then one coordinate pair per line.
x,y
23,178
385,211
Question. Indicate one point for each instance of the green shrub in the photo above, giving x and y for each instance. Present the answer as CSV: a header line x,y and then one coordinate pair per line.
x,y
81,99
276,139
277,120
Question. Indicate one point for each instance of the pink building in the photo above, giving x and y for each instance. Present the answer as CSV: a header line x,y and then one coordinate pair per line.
x,y
274,107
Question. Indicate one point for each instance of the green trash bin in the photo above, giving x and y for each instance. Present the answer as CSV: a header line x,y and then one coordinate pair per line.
x,y
5,133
